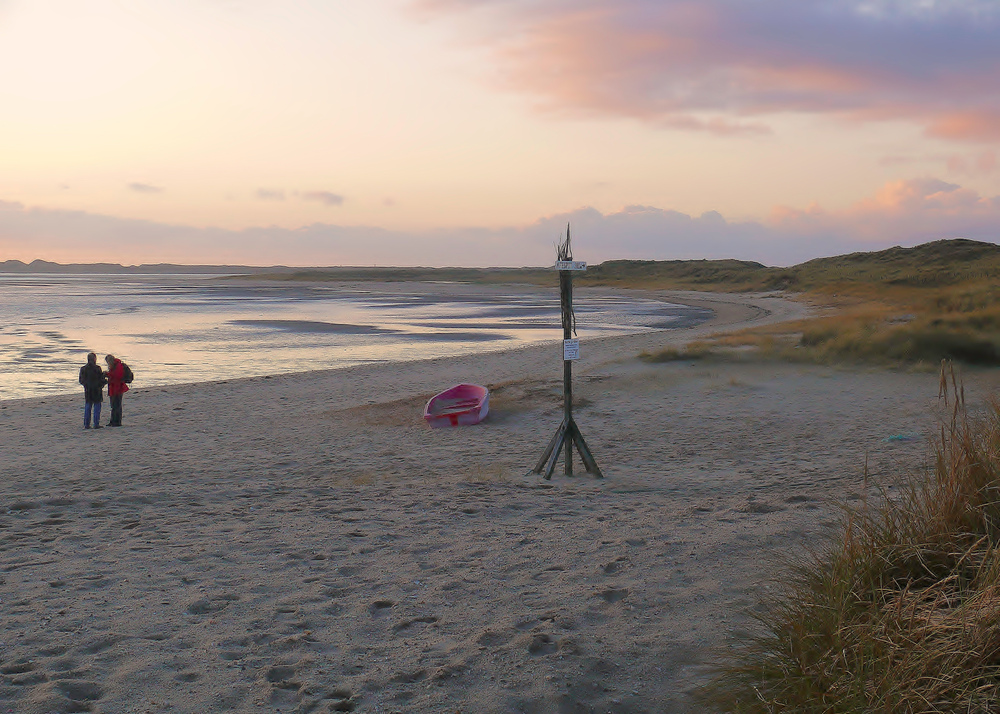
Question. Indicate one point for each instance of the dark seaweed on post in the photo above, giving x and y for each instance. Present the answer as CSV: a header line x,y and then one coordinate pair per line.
x,y
564,252
568,432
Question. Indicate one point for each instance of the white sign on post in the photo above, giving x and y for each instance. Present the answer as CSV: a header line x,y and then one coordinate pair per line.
x,y
571,349
571,265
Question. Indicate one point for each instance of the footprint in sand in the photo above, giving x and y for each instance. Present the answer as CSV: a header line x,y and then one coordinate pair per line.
x,y
208,605
614,566
80,691
282,677
100,644
380,607
342,700
542,644
614,594
417,675
489,638
427,619
339,699
19,667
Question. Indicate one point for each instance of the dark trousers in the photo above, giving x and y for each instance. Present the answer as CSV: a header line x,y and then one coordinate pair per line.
x,y
94,407
116,410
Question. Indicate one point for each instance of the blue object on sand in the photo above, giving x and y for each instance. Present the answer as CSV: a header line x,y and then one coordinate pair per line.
x,y
911,436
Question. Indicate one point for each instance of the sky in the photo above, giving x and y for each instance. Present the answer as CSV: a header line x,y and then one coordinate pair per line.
x,y
470,132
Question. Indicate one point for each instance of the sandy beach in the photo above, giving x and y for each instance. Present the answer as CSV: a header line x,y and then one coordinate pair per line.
x,y
304,543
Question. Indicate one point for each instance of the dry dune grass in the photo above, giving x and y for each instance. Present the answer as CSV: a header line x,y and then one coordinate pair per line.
x,y
901,614
868,333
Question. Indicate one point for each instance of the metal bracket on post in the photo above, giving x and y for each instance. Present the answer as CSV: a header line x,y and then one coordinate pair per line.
x,y
568,434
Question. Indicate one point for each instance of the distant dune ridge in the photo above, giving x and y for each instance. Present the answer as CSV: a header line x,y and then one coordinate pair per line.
x,y
939,262
45,266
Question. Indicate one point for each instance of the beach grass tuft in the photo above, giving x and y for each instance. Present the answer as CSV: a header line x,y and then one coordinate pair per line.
x,y
893,330
691,351
901,613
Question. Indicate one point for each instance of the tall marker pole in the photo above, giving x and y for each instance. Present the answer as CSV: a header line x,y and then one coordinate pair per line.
x,y
568,432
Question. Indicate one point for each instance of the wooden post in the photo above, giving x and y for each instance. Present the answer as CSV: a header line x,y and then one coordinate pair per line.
x,y
566,305
568,434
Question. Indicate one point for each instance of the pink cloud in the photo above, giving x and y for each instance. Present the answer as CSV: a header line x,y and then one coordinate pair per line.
x,y
974,123
711,64
908,212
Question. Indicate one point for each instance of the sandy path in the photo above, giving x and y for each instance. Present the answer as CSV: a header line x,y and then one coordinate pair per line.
x,y
304,543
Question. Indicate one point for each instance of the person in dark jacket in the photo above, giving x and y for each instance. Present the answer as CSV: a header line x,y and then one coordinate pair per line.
x,y
93,381
116,388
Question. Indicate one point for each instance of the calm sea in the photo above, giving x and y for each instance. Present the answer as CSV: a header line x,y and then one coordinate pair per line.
x,y
190,328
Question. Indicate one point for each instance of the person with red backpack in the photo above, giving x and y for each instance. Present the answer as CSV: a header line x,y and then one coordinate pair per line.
x,y
119,376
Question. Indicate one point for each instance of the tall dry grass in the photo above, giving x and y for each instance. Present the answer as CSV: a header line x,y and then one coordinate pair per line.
x,y
897,328
901,613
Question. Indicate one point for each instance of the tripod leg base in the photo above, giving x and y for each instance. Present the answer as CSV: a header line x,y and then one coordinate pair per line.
x,y
567,435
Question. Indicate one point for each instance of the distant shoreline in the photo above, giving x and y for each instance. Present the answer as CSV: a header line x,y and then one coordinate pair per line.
x,y
43,267
729,311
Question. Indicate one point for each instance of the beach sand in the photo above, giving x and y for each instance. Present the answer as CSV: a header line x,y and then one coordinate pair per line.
x,y
304,543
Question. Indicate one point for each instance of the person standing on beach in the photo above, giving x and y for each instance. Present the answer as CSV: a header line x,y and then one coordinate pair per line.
x,y
116,388
93,381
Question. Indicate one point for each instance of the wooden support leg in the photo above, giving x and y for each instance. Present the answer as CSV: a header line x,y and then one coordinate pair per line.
x,y
568,456
559,441
548,452
576,436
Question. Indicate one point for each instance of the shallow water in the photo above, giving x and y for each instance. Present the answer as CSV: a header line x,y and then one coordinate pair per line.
x,y
192,328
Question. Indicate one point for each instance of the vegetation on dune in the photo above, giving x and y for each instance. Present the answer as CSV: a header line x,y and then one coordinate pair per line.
x,y
939,264
691,351
721,275
911,306
899,614
889,340
916,332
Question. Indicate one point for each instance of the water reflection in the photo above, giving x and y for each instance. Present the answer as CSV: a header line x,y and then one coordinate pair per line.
x,y
188,328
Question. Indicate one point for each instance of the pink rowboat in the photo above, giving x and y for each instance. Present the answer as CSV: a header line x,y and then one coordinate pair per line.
x,y
461,405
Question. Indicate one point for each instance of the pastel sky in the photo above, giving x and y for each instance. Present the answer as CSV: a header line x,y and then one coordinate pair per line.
x,y
469,132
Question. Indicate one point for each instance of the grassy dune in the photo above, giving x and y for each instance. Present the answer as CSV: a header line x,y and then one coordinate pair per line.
x,y
902,613
932,265
917,305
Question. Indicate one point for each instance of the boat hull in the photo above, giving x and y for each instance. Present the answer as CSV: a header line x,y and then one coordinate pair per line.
x,y
461,405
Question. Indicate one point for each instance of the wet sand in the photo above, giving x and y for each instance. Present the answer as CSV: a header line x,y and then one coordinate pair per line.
x,y
305,543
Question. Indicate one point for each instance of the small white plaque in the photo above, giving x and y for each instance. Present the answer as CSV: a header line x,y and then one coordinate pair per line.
x,y
571,265
571,349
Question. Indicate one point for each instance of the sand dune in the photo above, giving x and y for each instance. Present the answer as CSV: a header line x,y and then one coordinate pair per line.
x,y
304,543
